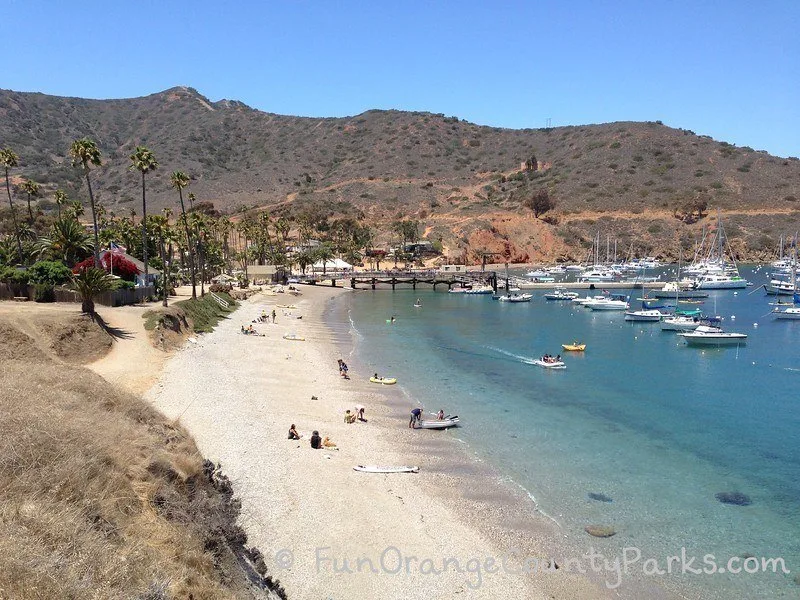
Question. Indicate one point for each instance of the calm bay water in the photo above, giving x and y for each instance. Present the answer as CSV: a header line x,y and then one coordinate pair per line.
x,y
640,417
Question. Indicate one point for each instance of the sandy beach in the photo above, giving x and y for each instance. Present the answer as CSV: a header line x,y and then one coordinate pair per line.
x,y
456,529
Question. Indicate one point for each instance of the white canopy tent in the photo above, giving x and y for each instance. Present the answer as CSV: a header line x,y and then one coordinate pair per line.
x,y
334,265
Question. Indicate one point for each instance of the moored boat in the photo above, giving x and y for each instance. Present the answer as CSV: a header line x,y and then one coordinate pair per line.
x,y
708,335
384,380
648,314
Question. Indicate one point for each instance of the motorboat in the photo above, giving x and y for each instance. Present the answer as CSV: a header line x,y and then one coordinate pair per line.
x,y
791,313
780,287
480,289
573,268
537,273
680,323
708,335
597,275
550,363
683,289
646,314
725,281
515,298
612,302
586,300
561,294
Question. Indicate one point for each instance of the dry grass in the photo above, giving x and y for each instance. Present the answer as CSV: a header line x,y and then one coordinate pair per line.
x,y
100,497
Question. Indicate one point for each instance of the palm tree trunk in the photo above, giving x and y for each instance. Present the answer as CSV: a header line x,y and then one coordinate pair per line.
x,y
188,245
94,222
144,231
30,212
14,218
164,275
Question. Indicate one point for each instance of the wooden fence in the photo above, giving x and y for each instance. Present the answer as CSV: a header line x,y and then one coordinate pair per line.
x,y
9,291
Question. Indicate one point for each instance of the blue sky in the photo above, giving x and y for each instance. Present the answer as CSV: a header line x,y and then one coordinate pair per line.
x,y
729,69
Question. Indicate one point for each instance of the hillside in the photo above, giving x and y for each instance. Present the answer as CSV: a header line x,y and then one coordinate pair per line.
x,y
101,496
464,182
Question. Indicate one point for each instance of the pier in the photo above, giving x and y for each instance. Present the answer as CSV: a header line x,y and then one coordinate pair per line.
x,y
392,279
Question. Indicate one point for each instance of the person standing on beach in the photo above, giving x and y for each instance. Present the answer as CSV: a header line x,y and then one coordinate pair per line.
x,y
416,415
273,315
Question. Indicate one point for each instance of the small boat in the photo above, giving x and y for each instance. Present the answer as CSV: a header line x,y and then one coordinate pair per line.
x,y
561,294
515,298
707,335
574,347
293,337
611,302
648,314
791,313
537,273
457,290
480,290
384,380
550,364
380,469
449,421
418,305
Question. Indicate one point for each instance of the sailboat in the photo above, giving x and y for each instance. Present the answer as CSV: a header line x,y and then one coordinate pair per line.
x,y
719,274
792,312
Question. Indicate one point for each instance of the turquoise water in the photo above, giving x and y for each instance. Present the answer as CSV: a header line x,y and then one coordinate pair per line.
x,y
640,417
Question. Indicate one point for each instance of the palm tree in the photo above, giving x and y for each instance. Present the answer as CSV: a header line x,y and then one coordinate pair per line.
x,y
324,253
90,283
76,208
179,181
159,225
9,159
85,154
144,161
61,199
31,188
67,241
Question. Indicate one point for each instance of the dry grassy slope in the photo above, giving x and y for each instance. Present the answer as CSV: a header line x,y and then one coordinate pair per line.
x,y
391,164
99,496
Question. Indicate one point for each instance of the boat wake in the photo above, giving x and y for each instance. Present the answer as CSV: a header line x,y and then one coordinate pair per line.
x,y
524,359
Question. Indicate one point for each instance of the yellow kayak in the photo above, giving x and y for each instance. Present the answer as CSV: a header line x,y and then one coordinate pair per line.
x,y
574,347
384,380
294,337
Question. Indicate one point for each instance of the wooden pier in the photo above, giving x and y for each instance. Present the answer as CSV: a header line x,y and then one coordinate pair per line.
x,y
434,279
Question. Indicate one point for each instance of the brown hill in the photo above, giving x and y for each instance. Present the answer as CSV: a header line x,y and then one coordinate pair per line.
x,y
464,182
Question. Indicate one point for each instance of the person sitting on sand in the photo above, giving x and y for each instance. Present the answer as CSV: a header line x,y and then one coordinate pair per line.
x,y
244,330
416,415
293,435
328,443
360,413
316,441
349,417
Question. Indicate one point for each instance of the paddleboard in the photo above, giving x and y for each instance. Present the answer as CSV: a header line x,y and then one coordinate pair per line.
x,y
379,469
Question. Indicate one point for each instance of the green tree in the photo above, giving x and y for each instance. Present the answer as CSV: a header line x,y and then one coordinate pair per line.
x,y
67,241
179,181
86,154
324,253
60,197
31,189
9,159
144,161
90,283
539,202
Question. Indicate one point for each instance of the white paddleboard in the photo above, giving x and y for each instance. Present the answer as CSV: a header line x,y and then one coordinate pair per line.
x,y
378,469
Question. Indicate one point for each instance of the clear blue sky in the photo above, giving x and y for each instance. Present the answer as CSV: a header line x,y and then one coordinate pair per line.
x,y
726,68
